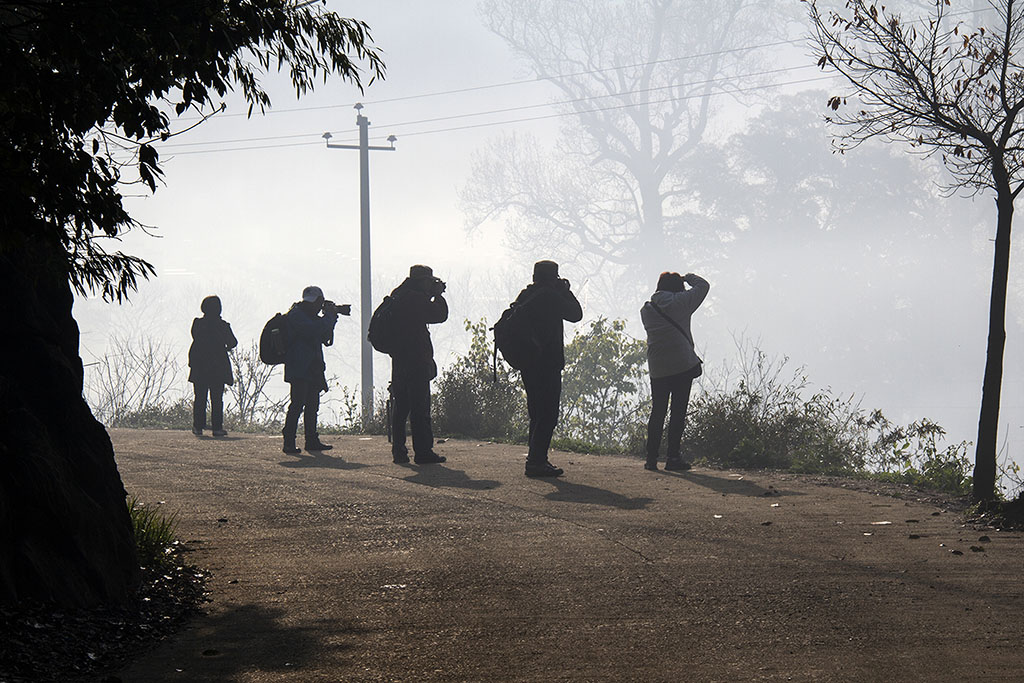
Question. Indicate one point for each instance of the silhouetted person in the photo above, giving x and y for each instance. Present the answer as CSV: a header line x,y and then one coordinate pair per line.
x,y
546,303
209,367
310,327
419,302
672,360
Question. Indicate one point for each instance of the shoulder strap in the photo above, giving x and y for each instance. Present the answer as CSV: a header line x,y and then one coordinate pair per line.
x,y
672,322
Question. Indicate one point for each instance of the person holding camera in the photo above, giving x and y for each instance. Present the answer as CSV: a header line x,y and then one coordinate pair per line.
x,y
209,365
672,360
310,327
547,302
419,302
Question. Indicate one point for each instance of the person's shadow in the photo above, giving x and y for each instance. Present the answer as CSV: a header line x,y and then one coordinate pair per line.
x,y
571,492
439,476
723,485
319,459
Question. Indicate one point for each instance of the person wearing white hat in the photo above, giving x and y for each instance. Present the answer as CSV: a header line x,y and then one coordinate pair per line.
x,y
310,327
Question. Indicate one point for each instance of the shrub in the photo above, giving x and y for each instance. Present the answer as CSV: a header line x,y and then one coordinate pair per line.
x,y
470,401
912,455
603,388
163,415
767,421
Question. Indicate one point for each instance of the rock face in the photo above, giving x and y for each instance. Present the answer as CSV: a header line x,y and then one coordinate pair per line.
x,y
65,534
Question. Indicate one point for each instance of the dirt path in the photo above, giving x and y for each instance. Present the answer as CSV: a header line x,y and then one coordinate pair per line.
x,y
345,567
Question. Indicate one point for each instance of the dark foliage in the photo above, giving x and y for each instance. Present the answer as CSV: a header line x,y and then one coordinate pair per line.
x,y
87,85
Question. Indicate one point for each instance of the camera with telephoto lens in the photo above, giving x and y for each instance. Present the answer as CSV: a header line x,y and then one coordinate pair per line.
x,y
329,306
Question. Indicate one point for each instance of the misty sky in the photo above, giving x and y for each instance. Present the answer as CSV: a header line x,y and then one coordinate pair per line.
x,y
880,292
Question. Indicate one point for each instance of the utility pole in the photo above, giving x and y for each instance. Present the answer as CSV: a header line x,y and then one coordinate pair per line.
x,y
365,295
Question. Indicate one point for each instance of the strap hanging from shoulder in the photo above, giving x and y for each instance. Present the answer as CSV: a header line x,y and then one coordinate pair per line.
x,y
673,323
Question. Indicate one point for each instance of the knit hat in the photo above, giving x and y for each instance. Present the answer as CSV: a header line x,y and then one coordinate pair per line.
x,y
545,270
420,272
312,294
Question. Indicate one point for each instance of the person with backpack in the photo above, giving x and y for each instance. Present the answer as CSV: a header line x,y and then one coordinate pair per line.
x,y
209,366
309,327
415,303
672,360
544,305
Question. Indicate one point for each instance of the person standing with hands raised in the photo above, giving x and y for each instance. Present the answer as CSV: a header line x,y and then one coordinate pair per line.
x,y
310,327
672,360
546,303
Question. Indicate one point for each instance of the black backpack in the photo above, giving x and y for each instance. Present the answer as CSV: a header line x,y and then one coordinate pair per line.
x,y
274,340
383,329
515,338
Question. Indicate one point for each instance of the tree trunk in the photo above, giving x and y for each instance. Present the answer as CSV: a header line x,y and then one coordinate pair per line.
x,y
65,534
988,423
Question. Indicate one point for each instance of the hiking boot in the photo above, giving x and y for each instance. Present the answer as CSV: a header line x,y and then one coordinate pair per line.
x,y
289,446
677,465
318,446
428,458
543,469
197,431
220,432
652,465
400,456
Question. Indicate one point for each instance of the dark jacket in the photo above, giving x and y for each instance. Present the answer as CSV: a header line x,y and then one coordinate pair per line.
x,y
208,356
413,357
547,305
304,353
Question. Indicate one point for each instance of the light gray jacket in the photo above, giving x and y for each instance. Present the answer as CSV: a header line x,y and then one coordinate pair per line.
x,y
668,351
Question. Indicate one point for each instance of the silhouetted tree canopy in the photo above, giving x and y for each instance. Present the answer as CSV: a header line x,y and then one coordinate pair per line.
x,y
87,87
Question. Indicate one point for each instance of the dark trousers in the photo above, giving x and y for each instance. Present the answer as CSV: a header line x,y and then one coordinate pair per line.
x,y
412,402
305,397
543,394
216,392
676,387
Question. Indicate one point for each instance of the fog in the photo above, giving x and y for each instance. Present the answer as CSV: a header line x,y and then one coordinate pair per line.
x,y
856,266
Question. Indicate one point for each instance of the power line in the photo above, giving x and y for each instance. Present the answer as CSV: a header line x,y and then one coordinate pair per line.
x,y
524,81
507,110
531,118
620,106
538,79
391,127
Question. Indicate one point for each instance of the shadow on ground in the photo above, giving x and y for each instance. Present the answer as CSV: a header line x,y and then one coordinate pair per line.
x,y
571,492
252,638
318,459
439,476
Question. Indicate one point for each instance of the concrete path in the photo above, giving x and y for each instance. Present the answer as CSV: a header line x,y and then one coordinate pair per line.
x,y
346,567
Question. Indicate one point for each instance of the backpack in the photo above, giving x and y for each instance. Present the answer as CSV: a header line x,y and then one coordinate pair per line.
x,y
274,340
515,338
382,331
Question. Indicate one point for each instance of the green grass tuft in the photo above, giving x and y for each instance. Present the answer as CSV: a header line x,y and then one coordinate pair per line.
x,y
155,533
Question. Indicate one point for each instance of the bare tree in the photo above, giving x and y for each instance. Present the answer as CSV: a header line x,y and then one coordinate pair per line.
x,y
946,88
638,78
250,388
136,373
